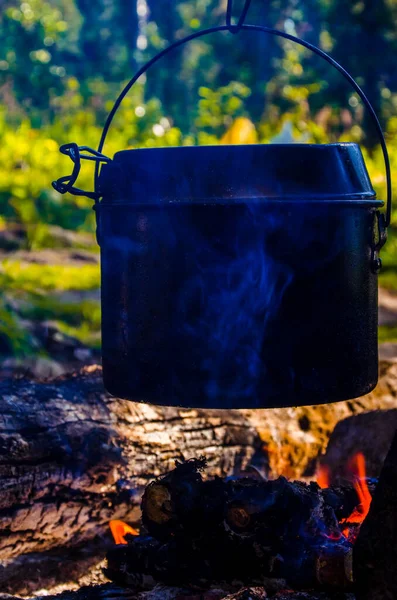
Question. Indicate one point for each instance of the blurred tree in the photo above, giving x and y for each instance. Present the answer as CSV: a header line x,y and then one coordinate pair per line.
x,y
59,55
212,61
32,62
364,41
108,38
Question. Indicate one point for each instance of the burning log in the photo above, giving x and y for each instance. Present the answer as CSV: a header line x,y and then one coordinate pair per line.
x,y
146,561
182,503
375,552
220,530
111,592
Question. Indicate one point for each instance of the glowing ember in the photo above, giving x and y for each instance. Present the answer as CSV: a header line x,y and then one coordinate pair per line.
x,y
323,476
356,466
119,529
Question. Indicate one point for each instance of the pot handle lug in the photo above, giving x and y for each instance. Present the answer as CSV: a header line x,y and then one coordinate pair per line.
x,y
379,238
77,153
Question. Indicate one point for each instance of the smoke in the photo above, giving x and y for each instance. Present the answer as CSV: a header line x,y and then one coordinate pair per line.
x,y
230,300
209,303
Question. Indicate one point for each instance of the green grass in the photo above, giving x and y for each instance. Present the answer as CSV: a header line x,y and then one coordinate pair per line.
x,y
387,334
45,308
81,320
84,333
388,279
40,293
12,331
32,277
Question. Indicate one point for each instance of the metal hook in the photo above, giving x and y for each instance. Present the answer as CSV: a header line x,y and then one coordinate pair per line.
x,y
229,12
66,183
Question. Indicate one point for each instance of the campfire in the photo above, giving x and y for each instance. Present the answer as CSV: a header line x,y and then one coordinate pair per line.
x,y
356,467
202,529
212,532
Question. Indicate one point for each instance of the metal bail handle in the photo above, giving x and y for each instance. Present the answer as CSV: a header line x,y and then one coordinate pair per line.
x,y
66,182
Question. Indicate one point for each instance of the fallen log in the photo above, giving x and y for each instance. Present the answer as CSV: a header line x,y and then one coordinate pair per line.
x,y
370,433
72,458
375,551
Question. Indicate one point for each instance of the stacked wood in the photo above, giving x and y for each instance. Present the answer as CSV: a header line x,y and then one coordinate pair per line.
x,y
112,592
206,531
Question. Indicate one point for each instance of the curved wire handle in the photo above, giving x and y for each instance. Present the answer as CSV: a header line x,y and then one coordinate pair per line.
x,y
234,29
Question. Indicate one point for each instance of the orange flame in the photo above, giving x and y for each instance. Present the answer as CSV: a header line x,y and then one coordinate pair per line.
x,y
323,476
119,529
357,468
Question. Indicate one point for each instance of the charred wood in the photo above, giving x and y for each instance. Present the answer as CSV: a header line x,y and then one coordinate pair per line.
x,y
206,531
111,592
182,504
146,561
375,551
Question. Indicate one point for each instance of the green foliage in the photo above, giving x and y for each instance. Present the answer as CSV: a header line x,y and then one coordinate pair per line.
x,y
387,334
13,337
42,293
23,278
218,108
63,62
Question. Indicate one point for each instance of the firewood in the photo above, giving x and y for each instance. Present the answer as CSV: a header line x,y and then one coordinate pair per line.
x,y
94,592
181,501
245,528
182,504
145,561
375,551
256,593
110,592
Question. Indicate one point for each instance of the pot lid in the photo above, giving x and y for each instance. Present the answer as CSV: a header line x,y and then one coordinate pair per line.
x,y
226,173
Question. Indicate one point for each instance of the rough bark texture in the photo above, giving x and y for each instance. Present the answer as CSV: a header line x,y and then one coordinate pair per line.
x,y
375,552
71,457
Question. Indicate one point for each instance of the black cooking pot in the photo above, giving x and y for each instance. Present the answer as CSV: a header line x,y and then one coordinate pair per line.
x,y
238,276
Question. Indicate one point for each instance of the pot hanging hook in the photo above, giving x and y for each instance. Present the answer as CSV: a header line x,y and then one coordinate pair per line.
x,y
65,183
229,12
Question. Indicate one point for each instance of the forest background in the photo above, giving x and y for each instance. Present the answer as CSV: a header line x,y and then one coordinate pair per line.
x,y
62,64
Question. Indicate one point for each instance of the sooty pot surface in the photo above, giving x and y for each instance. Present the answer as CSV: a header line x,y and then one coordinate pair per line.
x,y
238,276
